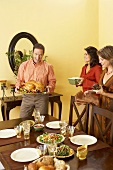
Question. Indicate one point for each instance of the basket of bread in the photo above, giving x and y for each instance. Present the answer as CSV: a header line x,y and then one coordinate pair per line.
x,y
32,87
48,163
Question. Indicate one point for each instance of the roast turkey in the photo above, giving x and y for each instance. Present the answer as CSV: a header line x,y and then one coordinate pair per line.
x,y
33,86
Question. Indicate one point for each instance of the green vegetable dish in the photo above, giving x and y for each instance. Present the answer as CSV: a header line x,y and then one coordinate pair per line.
x,y
63,150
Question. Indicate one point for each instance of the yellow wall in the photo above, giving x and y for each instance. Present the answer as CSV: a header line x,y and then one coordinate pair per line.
x,y
65,27
105,23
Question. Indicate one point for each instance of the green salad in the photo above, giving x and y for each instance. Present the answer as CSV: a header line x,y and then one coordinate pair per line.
x,y
49,138
63,150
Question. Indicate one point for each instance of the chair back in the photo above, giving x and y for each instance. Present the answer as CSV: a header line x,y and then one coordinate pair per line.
x,y
82,125
102,124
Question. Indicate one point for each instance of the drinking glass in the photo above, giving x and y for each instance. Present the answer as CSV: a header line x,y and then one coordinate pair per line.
x,y
26,127
52,149
18,130
82,152
62,123
43,149
70,130
63,126
37,116
42,117
63,130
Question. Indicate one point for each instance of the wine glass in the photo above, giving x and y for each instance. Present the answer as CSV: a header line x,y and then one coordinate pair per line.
x,y
52,149
62,123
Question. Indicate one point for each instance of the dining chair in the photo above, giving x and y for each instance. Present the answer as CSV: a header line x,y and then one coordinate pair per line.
x,y
83,125
101,124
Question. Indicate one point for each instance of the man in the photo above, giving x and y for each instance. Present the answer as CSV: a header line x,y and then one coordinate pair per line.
x,y
40,71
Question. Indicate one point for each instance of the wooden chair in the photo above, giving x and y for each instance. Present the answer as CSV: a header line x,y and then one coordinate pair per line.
x,y
98,119
83,126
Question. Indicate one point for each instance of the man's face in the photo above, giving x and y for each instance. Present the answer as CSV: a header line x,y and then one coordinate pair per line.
x,y
37,55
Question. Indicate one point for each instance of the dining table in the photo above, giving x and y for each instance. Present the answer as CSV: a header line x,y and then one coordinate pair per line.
x,y
99,157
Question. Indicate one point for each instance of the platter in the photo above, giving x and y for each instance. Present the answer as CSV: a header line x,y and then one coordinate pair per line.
x,y
83,140
24,91
48,138
30,121
25,155
7,133
53,125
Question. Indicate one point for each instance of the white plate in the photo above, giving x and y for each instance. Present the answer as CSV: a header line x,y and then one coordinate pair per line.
x,y
25,154
38,139
7,133
83,139
53,125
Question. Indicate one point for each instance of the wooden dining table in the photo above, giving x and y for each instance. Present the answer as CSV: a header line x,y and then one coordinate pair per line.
x,y
99,157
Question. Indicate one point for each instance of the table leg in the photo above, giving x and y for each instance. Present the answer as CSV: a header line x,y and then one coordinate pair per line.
x,y
52,107
2,110
60,109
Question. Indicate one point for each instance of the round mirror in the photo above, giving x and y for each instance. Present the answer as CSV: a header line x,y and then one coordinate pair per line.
x,y
13,43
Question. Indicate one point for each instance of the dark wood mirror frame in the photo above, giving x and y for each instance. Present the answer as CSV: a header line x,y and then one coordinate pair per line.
x,y
13,42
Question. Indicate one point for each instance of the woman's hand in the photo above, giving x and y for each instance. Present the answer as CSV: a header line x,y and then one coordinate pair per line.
x,y
100,91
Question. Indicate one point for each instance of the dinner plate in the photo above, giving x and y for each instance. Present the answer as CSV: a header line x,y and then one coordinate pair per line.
x,y
7,133
53,125
83,140
30,121
48,137
70,154
25,154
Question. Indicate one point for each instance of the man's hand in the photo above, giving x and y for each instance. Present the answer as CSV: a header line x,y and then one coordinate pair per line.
x,y
48,89
17,89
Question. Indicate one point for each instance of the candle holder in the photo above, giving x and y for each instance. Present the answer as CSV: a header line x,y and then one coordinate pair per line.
x,y
13,90
3,87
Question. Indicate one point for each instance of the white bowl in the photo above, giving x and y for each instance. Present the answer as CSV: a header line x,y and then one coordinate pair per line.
x,y
75,80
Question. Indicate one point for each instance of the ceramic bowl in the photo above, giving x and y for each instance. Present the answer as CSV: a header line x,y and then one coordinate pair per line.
x,y
38,127
75,80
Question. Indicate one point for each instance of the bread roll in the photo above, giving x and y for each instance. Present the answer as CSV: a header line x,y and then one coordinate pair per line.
x,y
39,164
51,167
32,166
60,164
44,168
48,160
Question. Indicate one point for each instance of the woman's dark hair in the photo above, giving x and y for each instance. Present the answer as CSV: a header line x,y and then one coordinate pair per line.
x,y
92,51
39,46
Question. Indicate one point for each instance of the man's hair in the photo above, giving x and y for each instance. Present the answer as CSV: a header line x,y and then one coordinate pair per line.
x,y
39,46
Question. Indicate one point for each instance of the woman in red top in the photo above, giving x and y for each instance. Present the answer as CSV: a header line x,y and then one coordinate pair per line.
x,y
92,70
